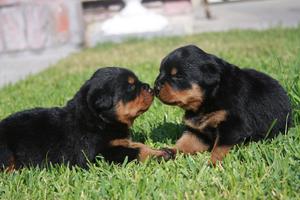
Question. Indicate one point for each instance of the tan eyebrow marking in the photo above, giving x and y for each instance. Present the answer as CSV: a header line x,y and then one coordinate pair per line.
x,y
131,80
173,71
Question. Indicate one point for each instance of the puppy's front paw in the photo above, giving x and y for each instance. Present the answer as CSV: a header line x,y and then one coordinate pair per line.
x,y
162,154
168,153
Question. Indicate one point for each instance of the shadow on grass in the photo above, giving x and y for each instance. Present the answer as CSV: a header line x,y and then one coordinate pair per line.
x,y
163,133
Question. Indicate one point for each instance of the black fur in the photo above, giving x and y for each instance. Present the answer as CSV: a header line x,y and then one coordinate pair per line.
x,y
253,100
78,132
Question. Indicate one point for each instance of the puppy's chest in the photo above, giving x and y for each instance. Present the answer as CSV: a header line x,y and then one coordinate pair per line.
x,y
91,144
88,146
201,121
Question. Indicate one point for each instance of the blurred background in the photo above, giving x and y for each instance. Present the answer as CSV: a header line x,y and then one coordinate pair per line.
x,y
34,34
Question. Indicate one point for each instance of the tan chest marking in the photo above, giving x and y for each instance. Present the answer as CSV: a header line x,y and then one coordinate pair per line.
x,y
209,120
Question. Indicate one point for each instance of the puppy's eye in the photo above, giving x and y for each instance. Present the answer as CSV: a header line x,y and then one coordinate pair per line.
x,y
131,88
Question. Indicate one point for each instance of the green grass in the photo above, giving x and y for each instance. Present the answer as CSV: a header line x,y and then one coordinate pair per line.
x,y
264,170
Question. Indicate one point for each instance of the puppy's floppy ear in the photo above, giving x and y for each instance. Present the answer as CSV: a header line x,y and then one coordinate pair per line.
x,y
99,100
211,74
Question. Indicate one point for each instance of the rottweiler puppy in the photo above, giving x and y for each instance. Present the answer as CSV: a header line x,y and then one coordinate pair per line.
x,y
224,104
95,122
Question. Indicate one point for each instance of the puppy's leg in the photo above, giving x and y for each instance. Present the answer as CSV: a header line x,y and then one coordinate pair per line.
x,y
118,154
7,160
189,143
143,151
219,151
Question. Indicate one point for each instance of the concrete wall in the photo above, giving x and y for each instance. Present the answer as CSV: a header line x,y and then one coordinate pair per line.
x,y
36,25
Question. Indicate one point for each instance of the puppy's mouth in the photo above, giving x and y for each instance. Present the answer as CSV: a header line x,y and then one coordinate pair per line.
x,y
141,111
127,112
188,99
166,94
171,103
147,99
177,103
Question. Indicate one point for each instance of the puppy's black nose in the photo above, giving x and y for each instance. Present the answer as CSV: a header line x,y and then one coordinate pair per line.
x,y
157,88
147,88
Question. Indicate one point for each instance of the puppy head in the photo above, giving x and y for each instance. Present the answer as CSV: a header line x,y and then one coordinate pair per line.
x,y
188,76
116,94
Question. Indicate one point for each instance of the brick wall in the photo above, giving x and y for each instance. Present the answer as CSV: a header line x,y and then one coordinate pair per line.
x,y
31,25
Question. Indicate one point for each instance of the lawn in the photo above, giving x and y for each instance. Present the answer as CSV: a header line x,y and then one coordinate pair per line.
x,y
265,170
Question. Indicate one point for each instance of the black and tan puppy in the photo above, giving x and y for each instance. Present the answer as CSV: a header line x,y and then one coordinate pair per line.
x,y
224,105
95,122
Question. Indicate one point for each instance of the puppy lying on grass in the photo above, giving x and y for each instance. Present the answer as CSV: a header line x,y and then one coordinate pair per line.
x,y
95,122
224,105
